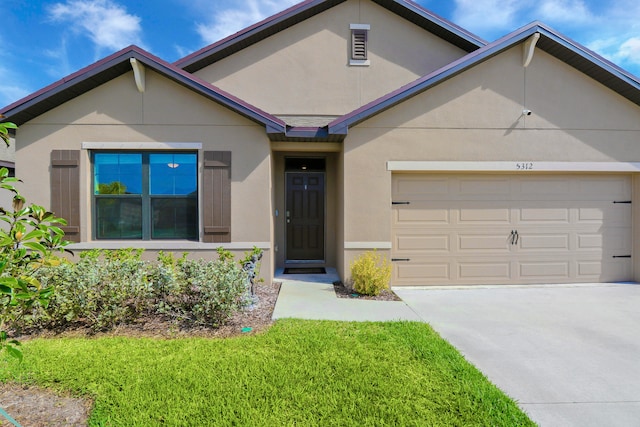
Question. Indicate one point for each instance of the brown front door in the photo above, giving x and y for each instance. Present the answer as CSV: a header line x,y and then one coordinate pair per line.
x,y
305,216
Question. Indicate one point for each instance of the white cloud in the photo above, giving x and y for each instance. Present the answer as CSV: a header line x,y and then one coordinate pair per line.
x,y
481,16
225,22
61,66
621,51
567,12
11,88
630,50
105,22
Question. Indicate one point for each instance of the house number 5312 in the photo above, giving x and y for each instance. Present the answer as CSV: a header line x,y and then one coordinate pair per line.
x,y
524,166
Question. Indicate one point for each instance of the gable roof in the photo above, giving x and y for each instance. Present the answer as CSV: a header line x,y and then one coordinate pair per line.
x,y
552,42
308,8
117,64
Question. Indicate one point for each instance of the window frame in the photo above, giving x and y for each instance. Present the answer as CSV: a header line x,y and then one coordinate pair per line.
x,y
146,197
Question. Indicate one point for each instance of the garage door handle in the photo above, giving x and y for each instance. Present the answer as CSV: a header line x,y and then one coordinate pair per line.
x,y
622,256
626,202
400,203
400,259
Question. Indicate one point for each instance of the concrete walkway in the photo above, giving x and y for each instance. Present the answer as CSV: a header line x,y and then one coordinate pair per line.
x,y
311,296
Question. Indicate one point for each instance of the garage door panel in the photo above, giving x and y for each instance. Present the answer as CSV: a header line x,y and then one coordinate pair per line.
x,y
616,242
589,269
609,213
590,241
422,216
477,243
482,188
425,272
421,187
457,229
558,215
542,188
616,270
600,187
486,215
544,241
490,271
542,271
408,244
592,214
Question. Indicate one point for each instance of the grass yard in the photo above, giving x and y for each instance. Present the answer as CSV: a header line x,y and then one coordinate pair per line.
x,y
304,373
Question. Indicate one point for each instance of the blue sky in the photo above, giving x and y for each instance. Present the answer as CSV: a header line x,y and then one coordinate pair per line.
x,y
45,40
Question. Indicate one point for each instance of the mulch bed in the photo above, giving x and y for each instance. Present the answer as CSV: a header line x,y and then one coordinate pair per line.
x,y
343,292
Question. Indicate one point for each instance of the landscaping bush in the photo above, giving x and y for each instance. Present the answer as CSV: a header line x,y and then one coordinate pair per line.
x,y
103,289
106,288
370,273
198,291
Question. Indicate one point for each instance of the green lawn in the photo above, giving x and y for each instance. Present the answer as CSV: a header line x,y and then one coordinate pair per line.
x,y
303,373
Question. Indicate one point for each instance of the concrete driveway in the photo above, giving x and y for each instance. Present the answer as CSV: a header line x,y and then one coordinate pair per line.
x,y
568,354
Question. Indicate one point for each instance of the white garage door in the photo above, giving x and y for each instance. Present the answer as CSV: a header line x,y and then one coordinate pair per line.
x,y
506,229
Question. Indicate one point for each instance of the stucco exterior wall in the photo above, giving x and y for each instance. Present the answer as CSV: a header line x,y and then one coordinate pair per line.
x,y
165,112
274,74
477,116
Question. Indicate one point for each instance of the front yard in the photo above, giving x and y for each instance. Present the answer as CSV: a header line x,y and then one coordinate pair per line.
x,y
297,373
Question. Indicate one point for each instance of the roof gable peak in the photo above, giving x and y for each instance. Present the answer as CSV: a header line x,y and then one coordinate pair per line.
x,y
407,9
117,64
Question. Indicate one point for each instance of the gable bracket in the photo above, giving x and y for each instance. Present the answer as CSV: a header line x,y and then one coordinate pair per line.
x,y
529,48
138,74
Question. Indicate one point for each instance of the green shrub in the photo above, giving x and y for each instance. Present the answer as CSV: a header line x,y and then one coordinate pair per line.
x,y
107,288
370,273
103,289
203,292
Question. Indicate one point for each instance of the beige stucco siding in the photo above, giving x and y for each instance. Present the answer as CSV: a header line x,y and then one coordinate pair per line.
x,y
477,116
274,74
165,112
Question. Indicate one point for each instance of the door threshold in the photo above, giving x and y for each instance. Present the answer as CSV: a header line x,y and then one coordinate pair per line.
x,y
304,261
305,270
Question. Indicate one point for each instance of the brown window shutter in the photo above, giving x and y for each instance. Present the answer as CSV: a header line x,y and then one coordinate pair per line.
x,y
216,191
65,190
359,44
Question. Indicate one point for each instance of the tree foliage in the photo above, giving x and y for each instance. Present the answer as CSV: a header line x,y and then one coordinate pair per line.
x,y
4,130
29,234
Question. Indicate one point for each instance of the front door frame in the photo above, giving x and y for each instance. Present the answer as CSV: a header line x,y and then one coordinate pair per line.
x,y
306,171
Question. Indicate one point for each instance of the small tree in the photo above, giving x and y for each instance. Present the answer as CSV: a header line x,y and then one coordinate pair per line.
x,y
28,238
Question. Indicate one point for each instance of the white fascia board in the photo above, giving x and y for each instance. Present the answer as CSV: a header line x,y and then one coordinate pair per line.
x,y
511,166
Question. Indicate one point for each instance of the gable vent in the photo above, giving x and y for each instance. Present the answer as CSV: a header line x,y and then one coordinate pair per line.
x,y
359,44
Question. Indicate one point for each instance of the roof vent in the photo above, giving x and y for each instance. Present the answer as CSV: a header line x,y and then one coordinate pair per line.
x,y
359,44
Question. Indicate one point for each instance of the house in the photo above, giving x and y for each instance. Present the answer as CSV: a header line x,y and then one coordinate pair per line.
x,y
341,126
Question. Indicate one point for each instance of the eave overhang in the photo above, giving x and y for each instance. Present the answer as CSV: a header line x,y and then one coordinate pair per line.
x,y
566,50
305,134
116,65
